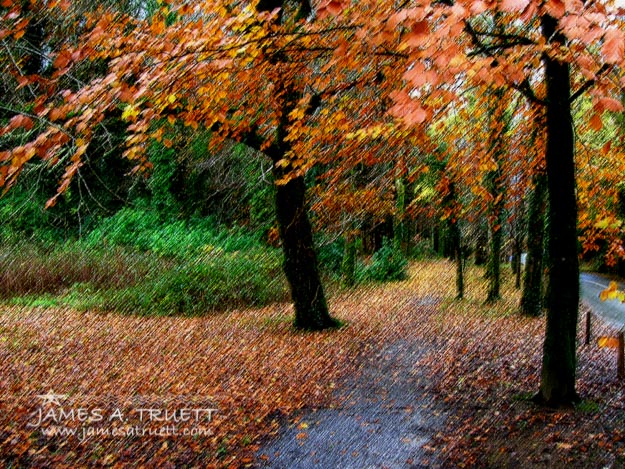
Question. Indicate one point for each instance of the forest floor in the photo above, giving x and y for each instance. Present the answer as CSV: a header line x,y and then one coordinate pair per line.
x,y
440,382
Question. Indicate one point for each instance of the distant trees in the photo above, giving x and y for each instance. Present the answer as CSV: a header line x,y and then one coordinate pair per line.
x,y
334,89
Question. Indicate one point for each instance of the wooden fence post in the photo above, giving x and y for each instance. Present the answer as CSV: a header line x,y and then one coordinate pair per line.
x,y
620,364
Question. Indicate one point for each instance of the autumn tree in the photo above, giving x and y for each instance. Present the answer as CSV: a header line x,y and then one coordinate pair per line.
x,y
534,54
266,75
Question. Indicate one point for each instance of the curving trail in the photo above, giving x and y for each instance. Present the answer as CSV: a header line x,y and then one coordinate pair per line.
x,y
611,311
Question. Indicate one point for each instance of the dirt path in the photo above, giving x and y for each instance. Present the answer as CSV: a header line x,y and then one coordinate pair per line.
x,y
384,419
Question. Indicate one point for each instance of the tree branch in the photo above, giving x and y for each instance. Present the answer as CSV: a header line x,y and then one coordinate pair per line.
x,y
589,83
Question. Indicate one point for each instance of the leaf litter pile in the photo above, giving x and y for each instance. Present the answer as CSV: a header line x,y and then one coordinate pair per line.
x,y
207,391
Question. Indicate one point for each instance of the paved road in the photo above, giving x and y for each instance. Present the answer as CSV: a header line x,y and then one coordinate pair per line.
x,y
385,421
611,311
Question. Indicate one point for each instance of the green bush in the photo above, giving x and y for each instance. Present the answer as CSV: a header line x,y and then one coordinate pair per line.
x,y
387,264
147,231
422,249
330,255
219,281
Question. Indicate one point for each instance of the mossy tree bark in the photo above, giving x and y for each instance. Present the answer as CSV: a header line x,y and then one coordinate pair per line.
x,y
532,293
557,385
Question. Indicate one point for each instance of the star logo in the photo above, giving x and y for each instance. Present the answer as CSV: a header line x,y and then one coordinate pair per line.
x,y
51,398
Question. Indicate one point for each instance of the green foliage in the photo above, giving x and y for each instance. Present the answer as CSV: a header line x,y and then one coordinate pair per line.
x,y
387,264
140,262
422,249
262,210
222,280
147,230
588,407
161,179
348,265
330,255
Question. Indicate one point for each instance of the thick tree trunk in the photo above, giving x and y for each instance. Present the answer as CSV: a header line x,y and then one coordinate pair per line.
x,y
300,259
455,237
532,294
557,386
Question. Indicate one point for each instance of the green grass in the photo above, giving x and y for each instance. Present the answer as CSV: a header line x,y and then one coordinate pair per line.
x,y
138,263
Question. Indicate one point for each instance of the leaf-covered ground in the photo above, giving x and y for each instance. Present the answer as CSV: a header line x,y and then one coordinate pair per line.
x,y
481,369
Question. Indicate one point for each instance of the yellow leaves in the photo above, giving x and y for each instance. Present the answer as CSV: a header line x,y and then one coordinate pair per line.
x,y
373,132
612,293
608,342
130,113
81,148
171,99
610,222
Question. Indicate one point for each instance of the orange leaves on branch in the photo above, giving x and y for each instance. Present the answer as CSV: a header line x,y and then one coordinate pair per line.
x,y
596,123
62,60
609,104
613,49
514,5
406,109
329,8
555,8
20,121
418,35
418,76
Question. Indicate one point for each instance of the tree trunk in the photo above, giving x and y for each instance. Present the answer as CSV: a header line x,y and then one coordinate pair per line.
x,y
495,185
481,240
348,266
532,294
518,252
494,264
557,386
399,222
456,239
300,259
455,236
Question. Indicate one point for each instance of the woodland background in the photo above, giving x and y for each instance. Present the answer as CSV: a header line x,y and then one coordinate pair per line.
x,y
194,161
